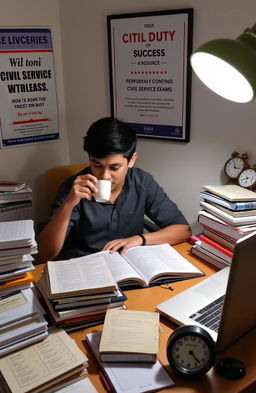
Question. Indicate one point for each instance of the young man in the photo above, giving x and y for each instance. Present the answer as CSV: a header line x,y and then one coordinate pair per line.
x,y
79,225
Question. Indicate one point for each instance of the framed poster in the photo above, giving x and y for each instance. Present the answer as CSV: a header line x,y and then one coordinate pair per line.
x,y
150,73
28,112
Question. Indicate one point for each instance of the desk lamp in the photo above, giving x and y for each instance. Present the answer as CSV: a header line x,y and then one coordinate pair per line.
x,y
228,67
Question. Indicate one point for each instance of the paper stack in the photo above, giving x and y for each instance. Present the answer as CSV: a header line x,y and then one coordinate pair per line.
x,y
228,213
15,201
17,243
77,293
21,320
43,367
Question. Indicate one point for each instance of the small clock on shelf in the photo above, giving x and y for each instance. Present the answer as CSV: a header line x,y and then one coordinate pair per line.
x,y
235,165
191,350
247,178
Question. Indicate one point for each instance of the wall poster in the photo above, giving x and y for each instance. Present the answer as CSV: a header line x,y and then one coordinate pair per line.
x,y
28,111
150,73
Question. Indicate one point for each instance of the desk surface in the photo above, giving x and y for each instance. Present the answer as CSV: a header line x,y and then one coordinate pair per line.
x,y
147,299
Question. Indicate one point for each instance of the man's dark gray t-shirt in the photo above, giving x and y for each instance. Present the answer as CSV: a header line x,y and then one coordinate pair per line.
x,y
93,224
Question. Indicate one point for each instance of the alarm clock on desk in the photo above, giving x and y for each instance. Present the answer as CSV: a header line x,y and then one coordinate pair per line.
x,y
191,353
191,350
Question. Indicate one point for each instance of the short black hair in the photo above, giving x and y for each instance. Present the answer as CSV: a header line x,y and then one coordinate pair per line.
x,y
110,136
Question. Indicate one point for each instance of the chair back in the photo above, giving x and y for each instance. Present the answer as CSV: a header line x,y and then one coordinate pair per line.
x,y
55,176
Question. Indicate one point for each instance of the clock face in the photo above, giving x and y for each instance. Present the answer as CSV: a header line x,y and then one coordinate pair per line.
x,y
234,166
191,350
247,178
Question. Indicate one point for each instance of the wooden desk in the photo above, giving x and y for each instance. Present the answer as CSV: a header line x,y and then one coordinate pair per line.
x,y
147,299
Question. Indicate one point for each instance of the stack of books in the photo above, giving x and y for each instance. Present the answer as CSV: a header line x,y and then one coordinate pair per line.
x,y
228,213
21,320
126,352
15,201
17,244
78,292
47,366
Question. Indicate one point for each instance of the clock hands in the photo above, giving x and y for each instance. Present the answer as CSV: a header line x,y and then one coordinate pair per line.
x,y
193,356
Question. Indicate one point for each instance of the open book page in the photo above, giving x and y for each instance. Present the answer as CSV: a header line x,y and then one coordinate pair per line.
x,y
73,276
135,377
151,261
130,331
120,269
34,366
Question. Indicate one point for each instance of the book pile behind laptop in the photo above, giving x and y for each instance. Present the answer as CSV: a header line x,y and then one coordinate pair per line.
x,y
228,213
43,367
15,201
21,320
77,292
17,243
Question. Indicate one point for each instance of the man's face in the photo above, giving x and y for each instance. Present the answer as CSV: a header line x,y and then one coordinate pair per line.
x,y
113,167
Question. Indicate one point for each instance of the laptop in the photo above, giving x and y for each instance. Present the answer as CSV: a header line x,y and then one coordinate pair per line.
x,y
231,292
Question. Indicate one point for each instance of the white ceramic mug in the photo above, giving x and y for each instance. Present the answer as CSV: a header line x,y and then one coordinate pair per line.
x,y
104,191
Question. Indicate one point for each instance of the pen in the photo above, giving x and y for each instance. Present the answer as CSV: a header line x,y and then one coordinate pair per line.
x,y
169,286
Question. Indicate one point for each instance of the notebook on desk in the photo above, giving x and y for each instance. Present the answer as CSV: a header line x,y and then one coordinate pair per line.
x,y
233,289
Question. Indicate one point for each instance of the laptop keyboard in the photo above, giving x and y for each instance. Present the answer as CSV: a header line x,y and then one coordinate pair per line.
x,y
210,315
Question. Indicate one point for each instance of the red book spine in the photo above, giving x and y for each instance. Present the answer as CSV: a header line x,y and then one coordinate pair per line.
x,y
217,245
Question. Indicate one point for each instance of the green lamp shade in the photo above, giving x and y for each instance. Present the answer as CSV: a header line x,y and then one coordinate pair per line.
x,y
228,67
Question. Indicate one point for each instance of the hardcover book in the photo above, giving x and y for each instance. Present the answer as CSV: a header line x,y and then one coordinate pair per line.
x,y
231,192
130,335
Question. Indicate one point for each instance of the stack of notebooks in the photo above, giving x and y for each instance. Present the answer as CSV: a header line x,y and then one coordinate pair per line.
x,y
78,292
44,367
228,213
17,244
21,320
15,201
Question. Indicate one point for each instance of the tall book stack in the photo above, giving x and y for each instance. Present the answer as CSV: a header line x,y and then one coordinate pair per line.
x,y
228,212
17,244
22,319
77,293
15,201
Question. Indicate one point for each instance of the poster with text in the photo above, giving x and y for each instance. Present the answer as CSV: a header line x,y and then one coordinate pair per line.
x,y
28,111
150,73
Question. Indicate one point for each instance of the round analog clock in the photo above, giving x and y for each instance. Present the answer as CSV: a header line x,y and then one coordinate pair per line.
x,y
247,178
235,165
191,350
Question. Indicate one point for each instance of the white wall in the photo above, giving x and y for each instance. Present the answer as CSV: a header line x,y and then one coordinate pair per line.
x,y
218,127
28,163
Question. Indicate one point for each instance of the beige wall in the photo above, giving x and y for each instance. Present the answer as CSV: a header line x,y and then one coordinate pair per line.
x,y
218,127
28,163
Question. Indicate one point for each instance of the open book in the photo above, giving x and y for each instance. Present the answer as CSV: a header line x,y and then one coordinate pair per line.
x,y
147,265
71,277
